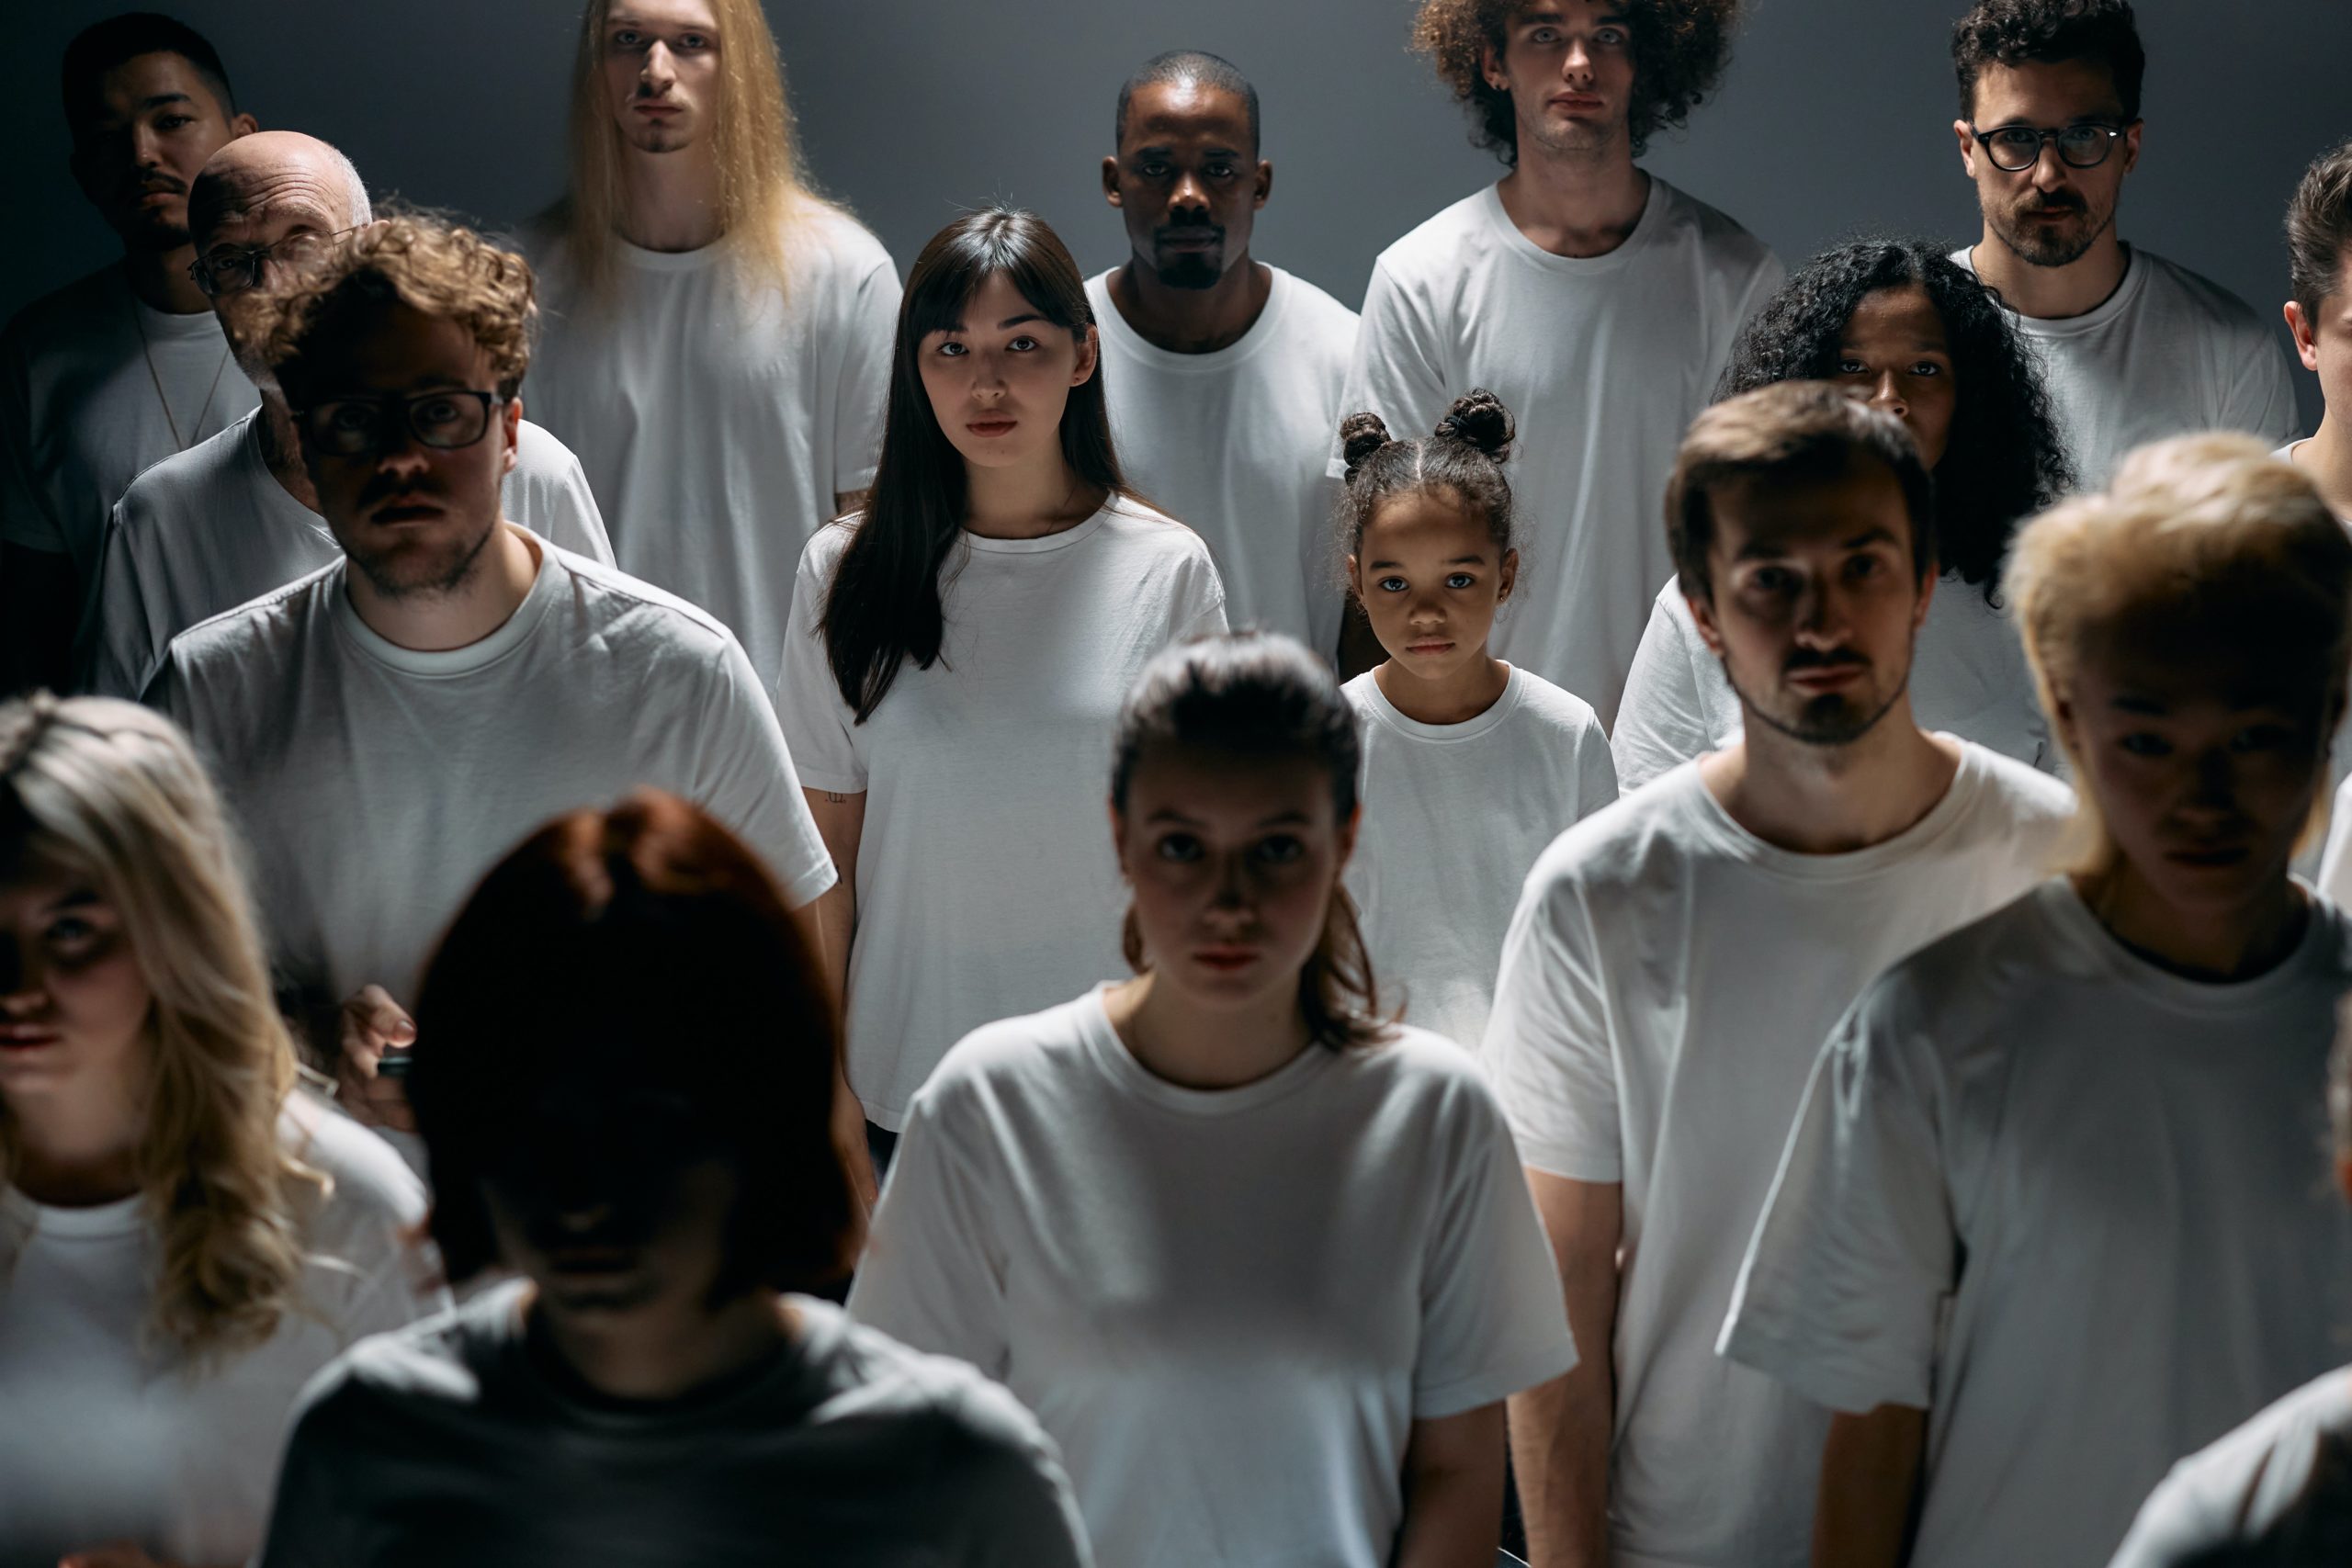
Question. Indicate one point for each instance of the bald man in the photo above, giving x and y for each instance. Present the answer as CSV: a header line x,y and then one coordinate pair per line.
x,y
234,517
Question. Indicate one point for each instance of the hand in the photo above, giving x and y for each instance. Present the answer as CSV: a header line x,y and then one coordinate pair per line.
x,y
114,1554
372,1024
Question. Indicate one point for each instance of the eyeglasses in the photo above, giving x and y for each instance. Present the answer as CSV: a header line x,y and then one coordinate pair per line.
x,y
2017,148
361,427
235,268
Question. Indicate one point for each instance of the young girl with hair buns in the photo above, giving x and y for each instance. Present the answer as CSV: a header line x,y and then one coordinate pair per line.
x,y
1428,531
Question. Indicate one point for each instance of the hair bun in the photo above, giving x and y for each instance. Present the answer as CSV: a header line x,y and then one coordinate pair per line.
x,y
1479,419
1361,434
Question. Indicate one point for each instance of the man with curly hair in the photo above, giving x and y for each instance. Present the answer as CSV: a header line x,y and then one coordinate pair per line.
x,y
1591,297
2136,348
390,726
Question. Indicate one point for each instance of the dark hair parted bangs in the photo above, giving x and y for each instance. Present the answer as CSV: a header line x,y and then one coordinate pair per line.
x,y
2048,32
884,606
1261,696
614,960
2319,230
2002,460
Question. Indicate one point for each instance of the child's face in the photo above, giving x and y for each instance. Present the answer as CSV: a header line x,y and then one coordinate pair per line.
x,y
1431,579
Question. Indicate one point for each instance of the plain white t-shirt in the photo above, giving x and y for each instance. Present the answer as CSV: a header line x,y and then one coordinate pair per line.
x,y
105,1435
1602,362
1233,443
80,417
449,1444
2276,1492
1969,677
716,422
987,884
1227,1307
378,784
2075,1207
1665,986
2166,354
211,527
1453,815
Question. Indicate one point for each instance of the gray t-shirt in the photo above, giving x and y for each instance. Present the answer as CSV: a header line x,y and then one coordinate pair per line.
x,y
447,1444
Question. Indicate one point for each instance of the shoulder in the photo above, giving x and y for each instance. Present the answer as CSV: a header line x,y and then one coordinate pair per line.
x,y
610,597
166,487
1724,241
260,630
1146,531
57,320
872,1376
538,453
2276,1482
1313,314
2019,792
437,1364
1943,993
825,241
1626,842
1548,706
2179,292
1440,244
1009,1051
372,1186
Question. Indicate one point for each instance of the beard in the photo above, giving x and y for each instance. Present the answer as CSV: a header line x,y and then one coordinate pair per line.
x,y
2058,245
1193,269
438,563
1833,718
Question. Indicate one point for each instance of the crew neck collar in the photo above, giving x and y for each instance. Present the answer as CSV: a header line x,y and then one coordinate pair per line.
x,y
2065,905
443,663
1061,540
1118,1063
2127,289
669,261
1116,329
1471,729
1721,828
1491,205
98,1221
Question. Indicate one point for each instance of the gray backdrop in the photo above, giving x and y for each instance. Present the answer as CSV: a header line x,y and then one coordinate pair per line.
x,y
1836,116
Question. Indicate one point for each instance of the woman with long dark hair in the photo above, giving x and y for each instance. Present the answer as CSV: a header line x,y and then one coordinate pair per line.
x,y
956,653
1264,1266
1898,323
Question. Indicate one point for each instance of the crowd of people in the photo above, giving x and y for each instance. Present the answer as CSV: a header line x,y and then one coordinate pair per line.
x,y
1633,905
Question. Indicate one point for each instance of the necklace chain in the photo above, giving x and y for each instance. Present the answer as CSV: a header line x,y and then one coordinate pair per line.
x,y
147,351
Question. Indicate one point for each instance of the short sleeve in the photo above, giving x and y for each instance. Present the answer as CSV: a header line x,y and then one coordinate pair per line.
x,y
1018,1504
1596,771
1199,610
1846,1280
552,499
2262,397
1494,1320
744,775
120,642
869,329
1398,369
1662,719
933,1275
817,722
1548,1044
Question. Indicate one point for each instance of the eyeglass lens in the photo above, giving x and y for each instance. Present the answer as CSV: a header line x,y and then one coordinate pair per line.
x,y
2018,147
354,426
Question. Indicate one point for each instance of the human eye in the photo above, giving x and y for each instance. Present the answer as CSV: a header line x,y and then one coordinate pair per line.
x,y
694,40
1391,585
1460,580
173,121
1279,849
1023,344
1861,568
1544,36
1181,848
2265,737
1848,365
627,38
2015,139
349,415
1610,37
2144,743
1926,368
1221,171
441,412
1153,169
949,348
1772,580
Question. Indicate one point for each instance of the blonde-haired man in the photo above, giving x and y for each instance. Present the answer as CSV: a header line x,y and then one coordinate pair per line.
x,y
390,726
718,340
2056,1209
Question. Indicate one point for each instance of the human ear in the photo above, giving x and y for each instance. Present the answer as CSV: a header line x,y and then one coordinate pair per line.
x,y
1090,351
1490,66
1967,146
1508,578
1265,184
1702,614
510,426
2306,335
1111,181
2132,145
1355,580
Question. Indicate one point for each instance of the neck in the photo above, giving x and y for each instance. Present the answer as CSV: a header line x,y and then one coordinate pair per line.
x,y
669,200
281,449
1454,698
2237,942
2052,293
1027,500
1192,321
159,280
2328,459
1206,1048
670,1357
1827,800
75,1150
460,617
1576,204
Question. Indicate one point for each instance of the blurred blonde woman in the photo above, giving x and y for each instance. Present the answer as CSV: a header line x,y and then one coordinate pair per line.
x,y
2057,1210
185,1237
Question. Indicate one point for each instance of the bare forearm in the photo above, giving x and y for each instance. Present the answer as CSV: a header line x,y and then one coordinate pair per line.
x,y
1453,1492
1870,1479
1560,1433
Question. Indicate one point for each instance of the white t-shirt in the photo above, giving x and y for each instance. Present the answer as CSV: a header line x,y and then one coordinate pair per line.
x,y
80,417
108,1436
448,1444
1603,361
1227,1307
1665,986
2166,354
1233,443
1453,815
2075,1207
716,425
378,784
986,881
1969,676
2276,1492
205,530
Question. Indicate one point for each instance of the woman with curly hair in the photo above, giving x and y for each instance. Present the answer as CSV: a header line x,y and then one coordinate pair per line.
x,y
1597,301
185,1237
1898,323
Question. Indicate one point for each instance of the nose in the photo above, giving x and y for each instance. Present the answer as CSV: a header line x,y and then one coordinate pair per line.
x,y
661,69
1888,396
1425,613
1821,620
146,146
2050,171
1189,194
1576,65
22,994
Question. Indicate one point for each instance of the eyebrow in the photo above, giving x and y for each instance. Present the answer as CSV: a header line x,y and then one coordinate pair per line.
x,y
1457,561
80,898
1279,820
1159,150
1766,549
1918,345
160,99
959,328
2279,699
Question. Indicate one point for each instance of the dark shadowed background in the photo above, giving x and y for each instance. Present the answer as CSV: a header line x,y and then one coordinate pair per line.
x,y
1836,117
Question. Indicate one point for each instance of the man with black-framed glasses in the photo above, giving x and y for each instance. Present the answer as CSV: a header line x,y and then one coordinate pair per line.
x,y
388,726
2134,347
235,516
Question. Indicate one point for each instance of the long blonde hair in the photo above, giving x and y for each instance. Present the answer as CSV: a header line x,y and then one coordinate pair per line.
x,y
113,792
761,186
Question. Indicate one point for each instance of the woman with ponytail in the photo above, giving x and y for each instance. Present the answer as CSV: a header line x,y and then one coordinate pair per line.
x,y
1471,767
955,655
1263,1265
185,1238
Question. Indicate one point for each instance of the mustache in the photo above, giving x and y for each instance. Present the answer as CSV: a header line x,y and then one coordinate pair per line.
x,y
158,180
1190,232
383,488
1820,658
2059,203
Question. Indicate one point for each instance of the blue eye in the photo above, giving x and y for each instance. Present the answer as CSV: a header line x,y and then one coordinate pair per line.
x,y
1461,580
1391,585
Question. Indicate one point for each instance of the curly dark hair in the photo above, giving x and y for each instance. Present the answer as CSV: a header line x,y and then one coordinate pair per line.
x,y
2011,32
1681,48
2002,460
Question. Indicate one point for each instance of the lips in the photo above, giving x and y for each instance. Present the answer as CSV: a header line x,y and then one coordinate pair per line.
x,y
990,427
26,1036
1578,103
404,511
1825,677
1431,645
1225,960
